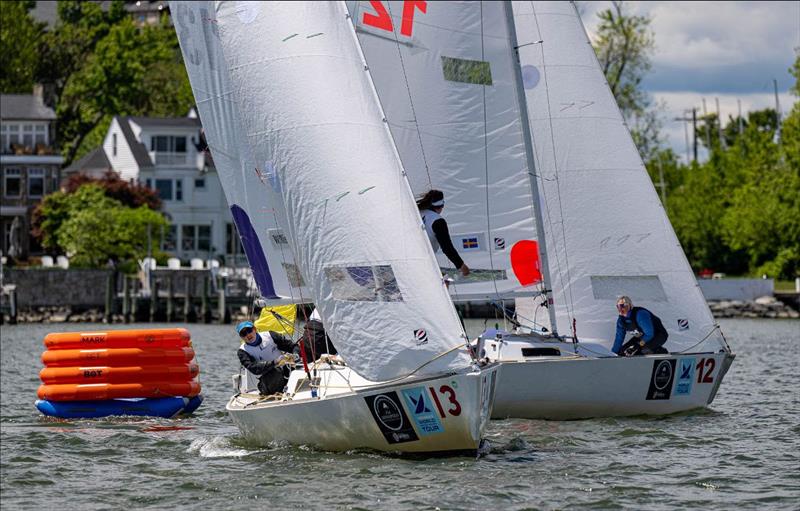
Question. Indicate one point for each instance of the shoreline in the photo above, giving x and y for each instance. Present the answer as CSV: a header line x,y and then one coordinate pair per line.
x,y
762,308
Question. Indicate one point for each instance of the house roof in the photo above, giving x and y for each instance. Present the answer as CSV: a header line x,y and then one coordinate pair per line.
x,y
137,148
167,122
95,160
25,106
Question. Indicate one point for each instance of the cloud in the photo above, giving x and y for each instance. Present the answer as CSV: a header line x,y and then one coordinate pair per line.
x,y
716,46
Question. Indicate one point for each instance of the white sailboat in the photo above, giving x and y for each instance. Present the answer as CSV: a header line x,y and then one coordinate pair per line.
x,y
284,87
503,106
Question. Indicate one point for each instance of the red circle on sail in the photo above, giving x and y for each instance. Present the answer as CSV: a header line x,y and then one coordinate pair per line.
x,y
525,262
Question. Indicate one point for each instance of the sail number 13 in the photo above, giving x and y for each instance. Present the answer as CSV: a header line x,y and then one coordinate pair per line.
x,y
447,392
383,20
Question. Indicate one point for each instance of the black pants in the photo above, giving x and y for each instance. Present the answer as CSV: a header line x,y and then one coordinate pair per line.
x,y
272,381
654,347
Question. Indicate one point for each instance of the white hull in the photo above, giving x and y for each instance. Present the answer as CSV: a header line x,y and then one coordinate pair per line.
x,y
580,387
368,417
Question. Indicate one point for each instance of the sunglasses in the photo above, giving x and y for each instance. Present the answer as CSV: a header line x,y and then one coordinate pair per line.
x,y
245,332
621,305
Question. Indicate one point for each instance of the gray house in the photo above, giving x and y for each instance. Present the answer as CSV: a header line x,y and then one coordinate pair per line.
x,y
30,167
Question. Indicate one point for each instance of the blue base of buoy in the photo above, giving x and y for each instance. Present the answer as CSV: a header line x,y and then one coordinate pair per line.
x,y
147,407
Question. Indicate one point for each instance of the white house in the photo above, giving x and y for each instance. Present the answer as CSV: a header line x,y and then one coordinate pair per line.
x,y
166,154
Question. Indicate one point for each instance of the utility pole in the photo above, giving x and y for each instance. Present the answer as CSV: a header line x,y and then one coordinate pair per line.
x,y
777,111
685,120
708,128
719,126
741,121
661,183
694,131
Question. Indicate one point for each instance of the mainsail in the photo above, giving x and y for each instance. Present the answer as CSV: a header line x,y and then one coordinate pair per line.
x,y
607,232
251,187
309,109
444,73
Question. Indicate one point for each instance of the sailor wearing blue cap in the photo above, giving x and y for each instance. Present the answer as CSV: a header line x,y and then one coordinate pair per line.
x,y
264,356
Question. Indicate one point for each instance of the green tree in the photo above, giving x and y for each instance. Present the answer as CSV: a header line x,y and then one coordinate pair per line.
x,y
57,207
92,228
19,39
624,44
132,71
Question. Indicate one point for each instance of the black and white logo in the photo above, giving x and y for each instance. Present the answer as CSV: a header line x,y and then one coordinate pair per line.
x,y
388,413
499,243
390,418
421,336
683,324
661,379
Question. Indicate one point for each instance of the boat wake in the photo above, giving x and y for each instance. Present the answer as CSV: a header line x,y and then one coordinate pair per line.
x,y
216,447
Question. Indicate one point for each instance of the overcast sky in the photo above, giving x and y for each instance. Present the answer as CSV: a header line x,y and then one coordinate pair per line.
x,y
724,50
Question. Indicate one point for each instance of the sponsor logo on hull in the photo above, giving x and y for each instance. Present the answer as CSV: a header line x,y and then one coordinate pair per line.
x,y
661,379
388,413
422,411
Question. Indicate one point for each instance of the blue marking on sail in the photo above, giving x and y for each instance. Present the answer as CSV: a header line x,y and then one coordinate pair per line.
x,y
255,254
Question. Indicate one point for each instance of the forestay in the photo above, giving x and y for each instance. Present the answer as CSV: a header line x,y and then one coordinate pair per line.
x,y
249,186
309,109
607,233
444,75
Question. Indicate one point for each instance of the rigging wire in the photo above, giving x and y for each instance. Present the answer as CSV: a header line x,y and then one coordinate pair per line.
x,y
570,303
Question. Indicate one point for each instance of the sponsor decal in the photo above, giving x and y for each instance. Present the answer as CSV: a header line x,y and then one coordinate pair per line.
x,y
683,324
388,413
683,385
421,336
422,411
661,379
499,243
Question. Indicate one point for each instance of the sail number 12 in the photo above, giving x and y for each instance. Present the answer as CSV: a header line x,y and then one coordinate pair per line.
x,y
383,19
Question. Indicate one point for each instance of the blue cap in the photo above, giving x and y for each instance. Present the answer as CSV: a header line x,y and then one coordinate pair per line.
x,y
244,324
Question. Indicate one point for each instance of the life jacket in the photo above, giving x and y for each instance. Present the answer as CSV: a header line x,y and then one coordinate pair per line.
x,y
265,350
659,331
428,217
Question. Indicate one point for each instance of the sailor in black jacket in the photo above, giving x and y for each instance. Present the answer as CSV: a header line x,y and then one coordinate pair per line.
x,y
265,356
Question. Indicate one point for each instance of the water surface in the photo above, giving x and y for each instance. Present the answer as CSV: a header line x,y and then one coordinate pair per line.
x,y
743,452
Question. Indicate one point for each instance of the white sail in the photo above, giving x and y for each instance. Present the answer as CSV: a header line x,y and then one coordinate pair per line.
x,y
444,74
607,232
250,186
307,106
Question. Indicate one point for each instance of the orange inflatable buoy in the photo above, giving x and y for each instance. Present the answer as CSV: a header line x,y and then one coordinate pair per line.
x,y
102,374
148,338
100,391
119,357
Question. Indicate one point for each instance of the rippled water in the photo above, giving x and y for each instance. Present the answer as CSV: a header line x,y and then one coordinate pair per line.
x,y
743,452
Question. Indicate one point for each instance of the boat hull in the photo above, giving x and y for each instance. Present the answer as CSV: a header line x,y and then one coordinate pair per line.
x,y
166,407
582,387
451,416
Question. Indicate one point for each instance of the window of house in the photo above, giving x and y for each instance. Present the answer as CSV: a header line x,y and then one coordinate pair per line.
x,y
164,188
12,182
168,144
233,244
27,135
35,182
179,189
188,239
169,239
204,238
5,145
40,134
114,144
200,184
10,136
196,238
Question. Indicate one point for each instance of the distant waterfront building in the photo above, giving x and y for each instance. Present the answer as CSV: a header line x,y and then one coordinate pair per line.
x,y
30,167
166,155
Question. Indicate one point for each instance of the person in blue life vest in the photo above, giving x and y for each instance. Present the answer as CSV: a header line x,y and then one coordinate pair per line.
x,y
267,356
649,333
430,209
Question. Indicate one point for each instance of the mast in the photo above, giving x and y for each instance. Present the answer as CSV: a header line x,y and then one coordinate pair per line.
x,y
526,135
